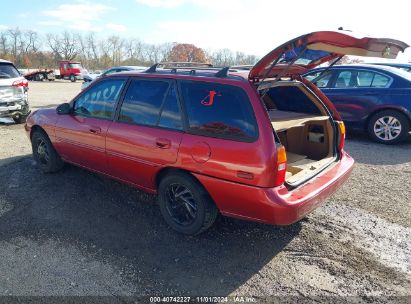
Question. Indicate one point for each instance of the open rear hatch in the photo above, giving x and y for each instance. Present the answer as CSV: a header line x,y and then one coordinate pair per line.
x,y
303,118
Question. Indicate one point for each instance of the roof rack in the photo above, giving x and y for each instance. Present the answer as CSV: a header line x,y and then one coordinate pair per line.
x,y
221,72
177,64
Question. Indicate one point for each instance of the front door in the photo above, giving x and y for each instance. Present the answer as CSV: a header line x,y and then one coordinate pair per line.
x,y
147,133
80,136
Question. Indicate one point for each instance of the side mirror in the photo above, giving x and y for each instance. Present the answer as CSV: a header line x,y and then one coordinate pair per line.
x,y
63,109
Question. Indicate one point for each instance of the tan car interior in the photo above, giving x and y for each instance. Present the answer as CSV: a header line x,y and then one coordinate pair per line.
x,y
307,138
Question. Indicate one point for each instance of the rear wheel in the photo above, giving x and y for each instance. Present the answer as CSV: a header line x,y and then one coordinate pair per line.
x,y
44,153
388,127
185,205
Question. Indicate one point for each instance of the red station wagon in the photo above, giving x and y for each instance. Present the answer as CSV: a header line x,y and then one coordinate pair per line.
x,y
263,145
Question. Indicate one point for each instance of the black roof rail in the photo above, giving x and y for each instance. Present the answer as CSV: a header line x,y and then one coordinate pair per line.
x,y
223,73
152,69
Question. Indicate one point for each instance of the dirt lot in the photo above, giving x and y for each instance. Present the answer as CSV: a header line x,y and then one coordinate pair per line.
x,y
78,233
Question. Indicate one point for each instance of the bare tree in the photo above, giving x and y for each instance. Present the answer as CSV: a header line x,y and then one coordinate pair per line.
x,y
69,46
14,34
3,44
53,42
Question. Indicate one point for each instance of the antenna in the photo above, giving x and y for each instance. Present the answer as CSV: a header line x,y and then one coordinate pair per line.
x,y
152,69
223,73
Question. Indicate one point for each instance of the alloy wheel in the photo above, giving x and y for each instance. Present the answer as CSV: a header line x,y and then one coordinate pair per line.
x,y
181,204
42,152
387,128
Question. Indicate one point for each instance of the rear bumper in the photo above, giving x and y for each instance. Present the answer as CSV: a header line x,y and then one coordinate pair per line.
x,y
13,108
277,206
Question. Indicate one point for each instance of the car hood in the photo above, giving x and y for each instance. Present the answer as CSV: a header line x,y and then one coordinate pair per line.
x,y
310,50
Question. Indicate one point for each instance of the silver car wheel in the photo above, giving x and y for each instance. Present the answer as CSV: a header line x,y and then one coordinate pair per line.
x,y
387,128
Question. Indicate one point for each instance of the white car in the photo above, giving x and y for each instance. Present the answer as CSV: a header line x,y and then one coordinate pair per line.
x,y
91,77
13,93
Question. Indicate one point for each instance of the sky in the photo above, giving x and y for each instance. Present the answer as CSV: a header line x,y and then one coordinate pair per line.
x,y
251,26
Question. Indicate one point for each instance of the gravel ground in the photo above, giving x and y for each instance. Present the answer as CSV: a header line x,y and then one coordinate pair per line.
x,y
78,233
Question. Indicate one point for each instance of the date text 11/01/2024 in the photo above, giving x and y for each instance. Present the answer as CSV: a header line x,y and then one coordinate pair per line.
x,y
182,299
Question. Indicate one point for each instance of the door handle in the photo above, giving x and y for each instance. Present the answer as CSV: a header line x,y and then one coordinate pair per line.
x,y
163,143
95,130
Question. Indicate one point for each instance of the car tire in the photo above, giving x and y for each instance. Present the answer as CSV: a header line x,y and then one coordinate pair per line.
x,y
19,119
44,153
388,127
185,205
72,78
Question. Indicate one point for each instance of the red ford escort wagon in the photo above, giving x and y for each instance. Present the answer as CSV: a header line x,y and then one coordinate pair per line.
x,y
263,145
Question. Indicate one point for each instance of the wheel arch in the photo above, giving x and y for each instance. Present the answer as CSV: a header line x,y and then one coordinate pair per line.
x,y
37,128
400,110
169,170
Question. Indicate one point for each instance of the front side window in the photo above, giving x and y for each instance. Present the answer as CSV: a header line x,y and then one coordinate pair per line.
x,y
99,101
323,81
219,110
343,79
151,103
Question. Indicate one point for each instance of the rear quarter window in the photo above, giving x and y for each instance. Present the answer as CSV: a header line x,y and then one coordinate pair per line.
x,y
219,111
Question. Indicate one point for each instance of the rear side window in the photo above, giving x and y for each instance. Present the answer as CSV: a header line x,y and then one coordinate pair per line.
x,y
151,103
380,81
219,110
364,79
8,70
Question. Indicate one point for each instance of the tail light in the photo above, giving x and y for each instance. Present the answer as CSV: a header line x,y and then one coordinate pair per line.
x,y
341,137
281,166
21,83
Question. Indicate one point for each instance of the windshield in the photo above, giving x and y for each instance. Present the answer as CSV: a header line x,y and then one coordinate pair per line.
x,y
75,66
7,70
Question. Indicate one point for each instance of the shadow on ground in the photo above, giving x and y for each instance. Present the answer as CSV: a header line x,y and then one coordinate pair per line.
x,y
79,207
366,151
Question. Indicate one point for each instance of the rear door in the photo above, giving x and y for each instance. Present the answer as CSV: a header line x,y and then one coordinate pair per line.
x,y
146,133
356,92
81,136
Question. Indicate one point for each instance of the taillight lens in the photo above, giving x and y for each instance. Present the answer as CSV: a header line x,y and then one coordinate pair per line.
x,y
281,166
341,129
21,83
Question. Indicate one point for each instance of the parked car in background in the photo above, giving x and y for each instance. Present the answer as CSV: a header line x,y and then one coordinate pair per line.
x,y
247,144
373,98
402,66
90,78
13,93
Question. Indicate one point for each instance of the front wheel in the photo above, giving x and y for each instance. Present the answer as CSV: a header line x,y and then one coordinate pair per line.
x,y
44,153
72,78
185,205
388,127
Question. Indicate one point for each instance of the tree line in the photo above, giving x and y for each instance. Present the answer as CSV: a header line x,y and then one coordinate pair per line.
x,y
30,49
